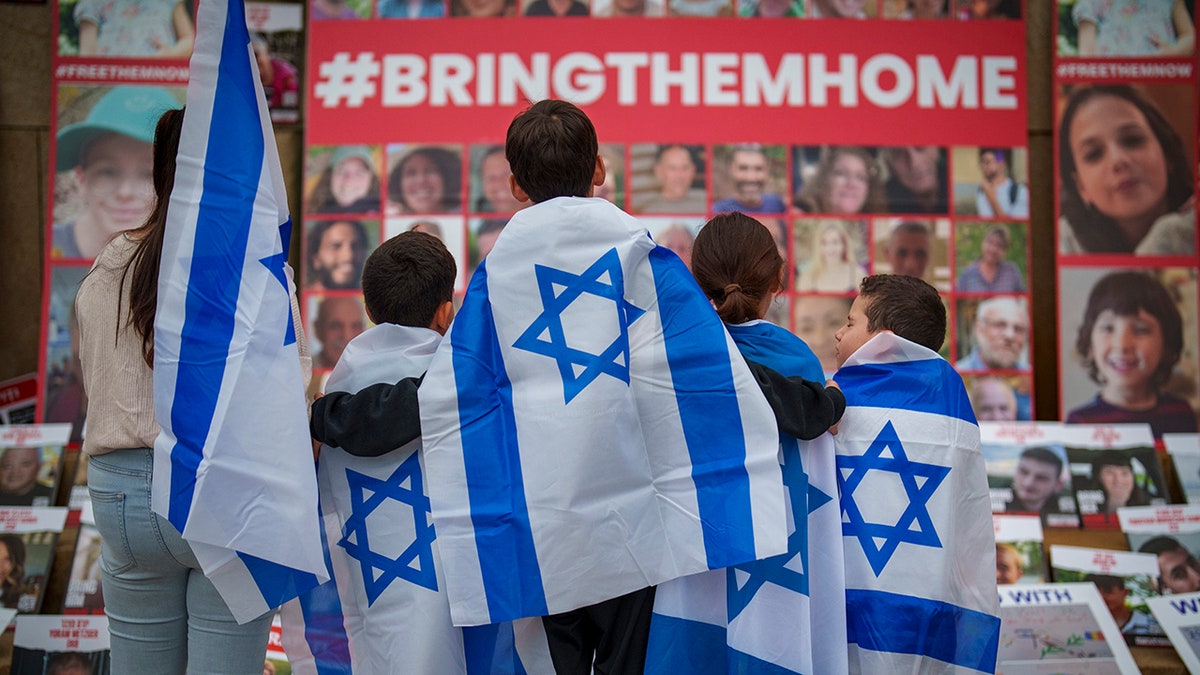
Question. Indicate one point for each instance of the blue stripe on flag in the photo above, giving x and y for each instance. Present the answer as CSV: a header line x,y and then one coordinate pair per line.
x,y
325,622
693,335
903,624
492,650
233,167
772,346
499,514
277,583
891,385
697,648
683,646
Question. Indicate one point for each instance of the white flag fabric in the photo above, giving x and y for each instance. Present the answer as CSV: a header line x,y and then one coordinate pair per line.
x,y
916,518
385,608
233,464
785,614
589,427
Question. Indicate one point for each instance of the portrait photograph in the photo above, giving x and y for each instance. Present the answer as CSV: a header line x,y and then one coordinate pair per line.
x,y
103,184
343,179
1152,211
991,182
1128,345
667,178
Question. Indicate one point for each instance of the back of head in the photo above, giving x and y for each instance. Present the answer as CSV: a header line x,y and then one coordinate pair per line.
x,y
407,278
907,306
737,265
551,149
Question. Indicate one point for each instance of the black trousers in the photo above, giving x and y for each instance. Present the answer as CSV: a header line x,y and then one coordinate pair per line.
x,y
608,638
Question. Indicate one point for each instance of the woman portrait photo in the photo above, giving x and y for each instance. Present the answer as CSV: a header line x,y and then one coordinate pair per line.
x,y
847,179
1113,471
998,267
12,569
343,179
1130,342
831,251
1125,175
103,162
424,179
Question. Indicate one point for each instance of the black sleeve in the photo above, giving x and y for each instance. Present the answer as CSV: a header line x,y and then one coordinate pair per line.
x,y
372,422
802,408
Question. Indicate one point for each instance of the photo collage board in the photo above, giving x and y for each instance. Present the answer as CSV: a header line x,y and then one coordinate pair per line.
x,y
1125,116
856,159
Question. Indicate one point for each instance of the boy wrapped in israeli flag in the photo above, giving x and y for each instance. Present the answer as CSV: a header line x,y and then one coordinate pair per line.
x,y
385,608
916,518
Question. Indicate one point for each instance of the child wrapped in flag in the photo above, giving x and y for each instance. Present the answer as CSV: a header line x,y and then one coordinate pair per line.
x,y
385,607
784,614
916,518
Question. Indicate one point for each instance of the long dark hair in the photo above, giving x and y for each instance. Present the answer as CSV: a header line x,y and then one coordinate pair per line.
x,y
1095,231
142,267
737,265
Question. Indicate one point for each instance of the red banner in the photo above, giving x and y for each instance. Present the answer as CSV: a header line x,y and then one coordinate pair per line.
x,y
872,82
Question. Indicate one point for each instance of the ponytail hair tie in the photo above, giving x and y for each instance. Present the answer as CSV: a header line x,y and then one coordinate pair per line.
x,y
731,288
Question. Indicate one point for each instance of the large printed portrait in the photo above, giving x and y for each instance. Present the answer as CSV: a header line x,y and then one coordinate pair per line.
x,y
126,28
1128,345
1126,169
335,250
103,181
1125,29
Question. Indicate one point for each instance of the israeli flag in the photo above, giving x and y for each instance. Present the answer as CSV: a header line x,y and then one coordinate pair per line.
x,y
385,609
916,518
784,614
233,464
589,427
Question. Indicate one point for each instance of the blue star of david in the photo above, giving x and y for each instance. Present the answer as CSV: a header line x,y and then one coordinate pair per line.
x,y
547,337
356,540
804,498
920,481
275,264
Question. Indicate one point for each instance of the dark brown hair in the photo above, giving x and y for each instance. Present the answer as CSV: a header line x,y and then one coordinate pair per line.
x,y
1125,293
552,149
737,265
407,278
142,267
907,306
1095,231
449,167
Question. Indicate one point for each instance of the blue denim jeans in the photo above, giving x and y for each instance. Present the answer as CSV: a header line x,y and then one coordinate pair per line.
x,y
164,615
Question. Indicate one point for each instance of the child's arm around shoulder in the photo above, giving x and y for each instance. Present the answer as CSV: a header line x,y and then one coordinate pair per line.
x,y
802,408
373,422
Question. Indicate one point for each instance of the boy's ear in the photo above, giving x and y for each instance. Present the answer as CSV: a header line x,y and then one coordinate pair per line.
x,y
517,193
600,173
442,317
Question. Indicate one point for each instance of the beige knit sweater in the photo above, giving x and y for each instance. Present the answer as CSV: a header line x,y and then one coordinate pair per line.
x,y
118,383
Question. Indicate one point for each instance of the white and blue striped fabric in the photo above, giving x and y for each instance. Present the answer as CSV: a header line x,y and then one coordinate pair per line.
x,y
588,424
385,608
785,614
916,518
233,464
